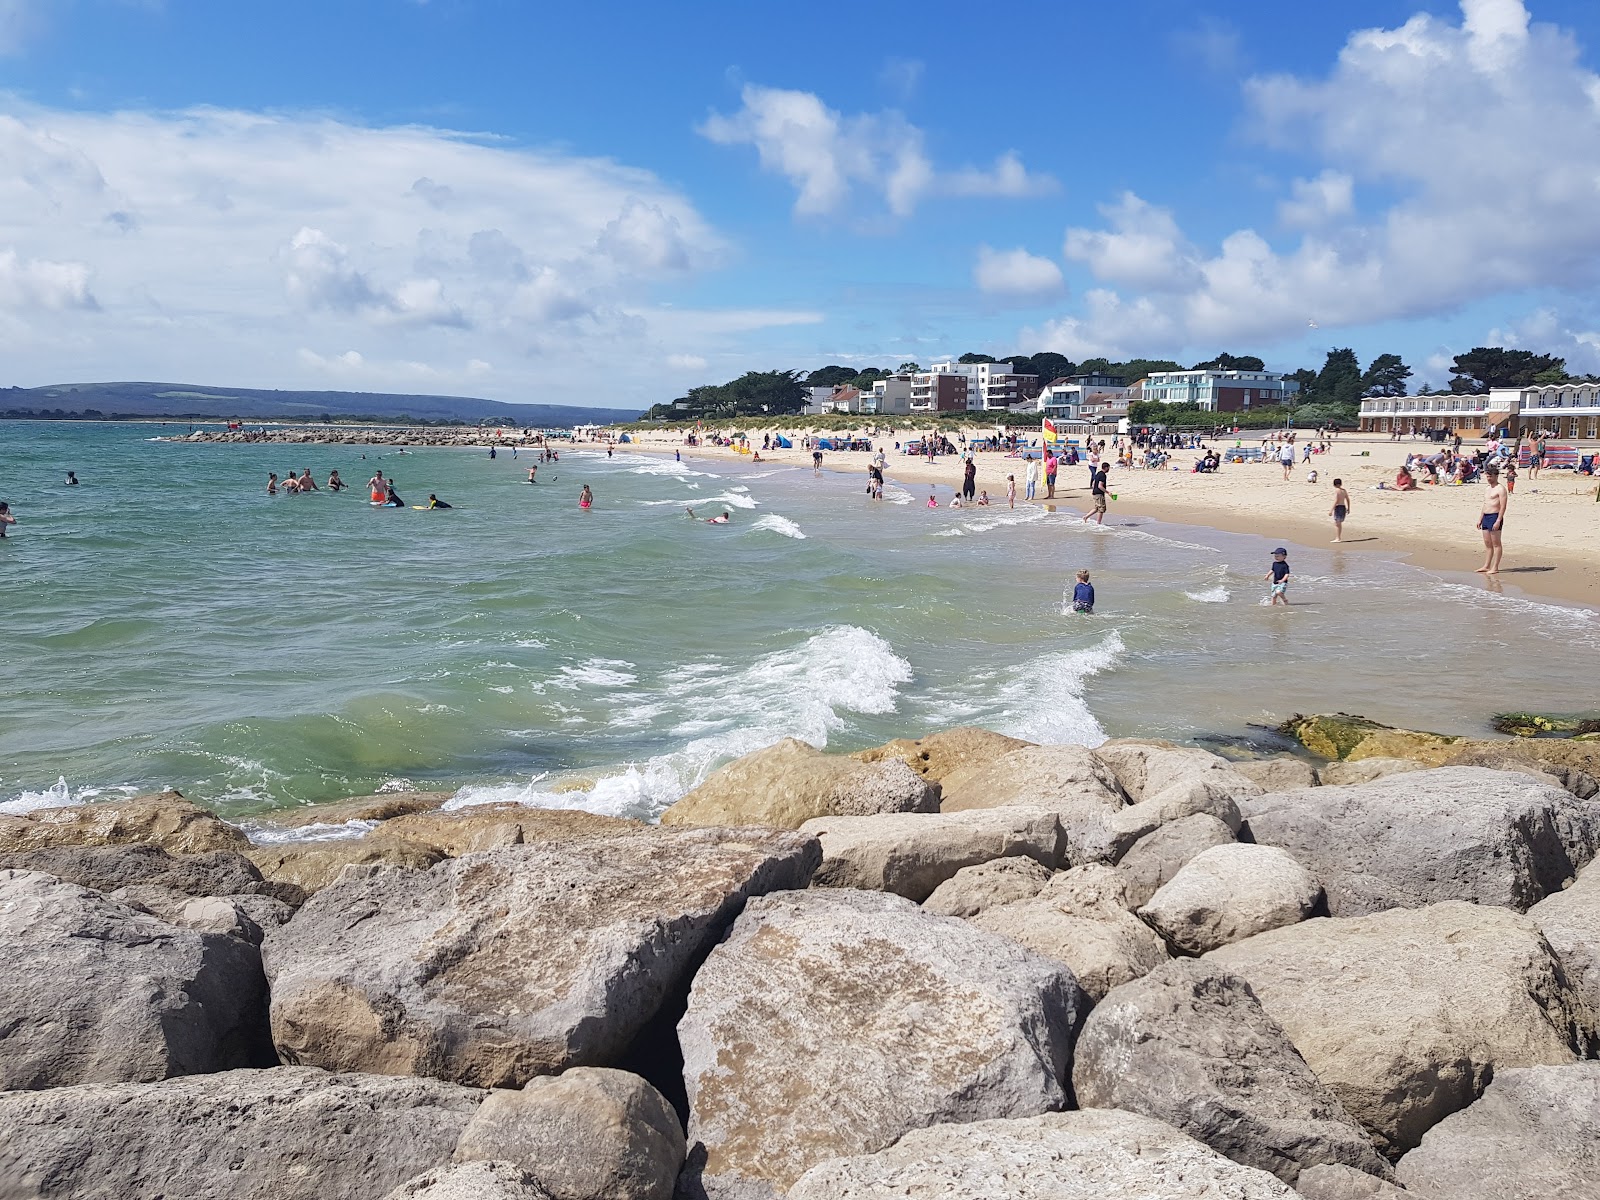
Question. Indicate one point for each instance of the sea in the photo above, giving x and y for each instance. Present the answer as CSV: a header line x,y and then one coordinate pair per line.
x,y
168,624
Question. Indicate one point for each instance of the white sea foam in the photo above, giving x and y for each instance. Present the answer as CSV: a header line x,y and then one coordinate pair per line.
x,y
731,499
1042,700
265,834
777,524
1139,535
59,795
806,691
1213,595
896,495
596,672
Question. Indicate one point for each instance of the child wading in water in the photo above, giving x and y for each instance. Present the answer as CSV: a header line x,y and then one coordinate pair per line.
x,y
1279,574
1083,594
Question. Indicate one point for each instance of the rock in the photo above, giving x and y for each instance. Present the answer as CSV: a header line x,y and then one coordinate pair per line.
x,y
208,914
1570,922
1333,1181
1365,770
789,783
166,820
311,866
1190,1045
485,826
472,1181
1228,893
1092,1155
1039,776
1343,736
1575,763
523,961
1406,1014
590,1133
937,755
107,868
972,889
93,992
1198,797
1456,833
1534,1133
832,1022
1156,857
1145,769
288,1133
1081,918
380,807
1278,774
910,854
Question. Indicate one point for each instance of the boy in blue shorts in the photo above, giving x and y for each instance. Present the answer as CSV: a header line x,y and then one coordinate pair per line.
x,y
1279,574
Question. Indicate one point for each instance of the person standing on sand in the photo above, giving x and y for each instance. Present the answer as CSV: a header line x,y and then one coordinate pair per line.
x,y
1493,520
1286,459
1340,509
1032,477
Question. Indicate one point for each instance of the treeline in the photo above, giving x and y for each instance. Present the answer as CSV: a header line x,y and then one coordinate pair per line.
x,y
1331,394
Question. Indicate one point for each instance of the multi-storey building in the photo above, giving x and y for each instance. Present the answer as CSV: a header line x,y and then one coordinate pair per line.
x,y
1220,391
1562,410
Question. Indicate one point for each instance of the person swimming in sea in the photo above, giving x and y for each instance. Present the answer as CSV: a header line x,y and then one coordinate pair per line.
x,y
72,479
727,516
5,517
533,473
335,484
435,502
1083,595
307,484
378,488
392,498
272,484
586,498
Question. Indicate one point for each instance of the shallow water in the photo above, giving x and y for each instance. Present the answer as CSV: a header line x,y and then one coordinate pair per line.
x,y
168,624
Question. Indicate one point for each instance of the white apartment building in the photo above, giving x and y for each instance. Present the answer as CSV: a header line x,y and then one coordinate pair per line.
x,y
1563,410
1220,391
989,385
1065,399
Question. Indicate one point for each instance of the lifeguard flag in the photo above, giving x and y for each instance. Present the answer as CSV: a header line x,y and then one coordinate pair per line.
x,y
1050,434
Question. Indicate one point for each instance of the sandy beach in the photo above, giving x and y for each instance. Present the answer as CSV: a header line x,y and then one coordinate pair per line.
x,y
1550,530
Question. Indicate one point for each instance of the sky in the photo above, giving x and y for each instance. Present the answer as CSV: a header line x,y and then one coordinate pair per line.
x,y
610,203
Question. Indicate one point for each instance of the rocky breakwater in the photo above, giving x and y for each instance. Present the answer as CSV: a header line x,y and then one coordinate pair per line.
x,y
364,435
962,967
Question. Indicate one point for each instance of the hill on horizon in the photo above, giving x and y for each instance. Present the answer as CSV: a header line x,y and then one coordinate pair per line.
x,y
201,402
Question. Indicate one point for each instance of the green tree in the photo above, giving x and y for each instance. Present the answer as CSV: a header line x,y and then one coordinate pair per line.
x,y
1047,365
1307,379
1229,362
976,358
1485,367
830,376
1385,377
909,368
1339,381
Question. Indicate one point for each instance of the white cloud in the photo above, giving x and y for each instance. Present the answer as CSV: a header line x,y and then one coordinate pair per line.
x,y
1015,273
1486,133
217,245
829,156
686,362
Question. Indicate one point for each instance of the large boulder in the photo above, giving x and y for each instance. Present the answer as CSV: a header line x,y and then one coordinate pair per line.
x,y
166,820
288,1133
481,1180
1365,770
1570,922
1156,857
1228,893
310,866
589,1133
486,826
1575,765
1456,833
107,868
1278,774
832,1022
1081,918
1342,736
1091,1155
1406,1014
937,755
93,992
789,783
523,961
1047,776
1534,1133
381,806
1147,768
910,854
1334,1181
1190,1045
972,889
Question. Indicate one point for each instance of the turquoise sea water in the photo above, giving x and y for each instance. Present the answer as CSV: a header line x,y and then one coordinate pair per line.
x,y
168,624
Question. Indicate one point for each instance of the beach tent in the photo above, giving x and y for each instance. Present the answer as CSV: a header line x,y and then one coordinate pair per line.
x,y
784,443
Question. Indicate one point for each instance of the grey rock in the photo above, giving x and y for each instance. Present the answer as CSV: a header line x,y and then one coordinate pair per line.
x,y
1156,857
1278,774
107,868
1406,1014
166,820
1534,1133
1035,776
1145,769
1190,1045
310,866
92,991
499,966
1365,770
472,1181
910,854
288,1133
832,1022
1118,832
1331,1181
1228,893
1081,918
589,1133
1570,922
972,889
1092,1155
208,914
1453,833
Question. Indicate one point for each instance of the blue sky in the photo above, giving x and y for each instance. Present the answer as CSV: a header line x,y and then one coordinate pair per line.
x,y
610,203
